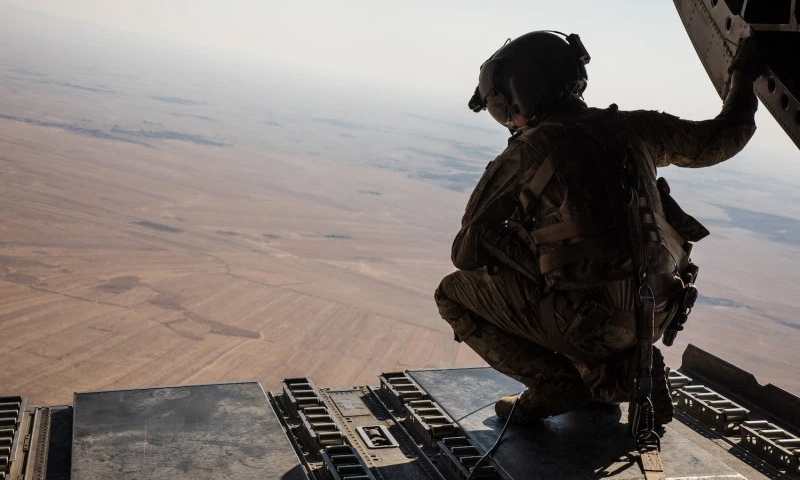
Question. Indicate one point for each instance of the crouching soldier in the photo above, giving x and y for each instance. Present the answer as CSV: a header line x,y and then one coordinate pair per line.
x,y
573,258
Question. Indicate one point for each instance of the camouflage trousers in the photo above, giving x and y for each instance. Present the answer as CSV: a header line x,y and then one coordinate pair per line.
x,y
500,319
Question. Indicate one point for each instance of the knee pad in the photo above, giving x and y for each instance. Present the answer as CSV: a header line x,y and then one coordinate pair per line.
x,y
449,309
463,326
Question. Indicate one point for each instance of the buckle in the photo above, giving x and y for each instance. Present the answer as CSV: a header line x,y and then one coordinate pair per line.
x,y
648,441
643,425
690,296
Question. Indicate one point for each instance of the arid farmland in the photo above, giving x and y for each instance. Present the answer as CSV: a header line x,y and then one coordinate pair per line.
x,y
163,225
125,266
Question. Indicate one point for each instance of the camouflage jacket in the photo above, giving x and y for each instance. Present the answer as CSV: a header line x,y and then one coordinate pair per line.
x,y
653,139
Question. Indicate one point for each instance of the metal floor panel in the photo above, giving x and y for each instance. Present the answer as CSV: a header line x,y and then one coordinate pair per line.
x,y
589,443
187,432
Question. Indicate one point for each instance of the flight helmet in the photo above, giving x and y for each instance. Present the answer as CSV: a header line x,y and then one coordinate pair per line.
x,y
527,75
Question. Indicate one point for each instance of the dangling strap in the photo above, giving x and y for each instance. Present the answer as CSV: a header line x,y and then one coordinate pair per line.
x,y
648,443
651,465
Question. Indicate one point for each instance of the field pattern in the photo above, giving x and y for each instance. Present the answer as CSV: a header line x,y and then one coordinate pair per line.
x,y
161,223
92,295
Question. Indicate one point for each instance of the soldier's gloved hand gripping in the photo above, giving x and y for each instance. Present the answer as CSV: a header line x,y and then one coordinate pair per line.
x,y
747,65
749,59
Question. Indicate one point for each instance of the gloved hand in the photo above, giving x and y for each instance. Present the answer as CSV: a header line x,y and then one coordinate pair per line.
x,y
749,58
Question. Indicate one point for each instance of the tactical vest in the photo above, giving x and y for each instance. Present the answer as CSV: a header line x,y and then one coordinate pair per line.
x,y
573,208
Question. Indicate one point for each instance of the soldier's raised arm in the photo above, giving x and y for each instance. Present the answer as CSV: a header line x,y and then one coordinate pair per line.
x,y
695,144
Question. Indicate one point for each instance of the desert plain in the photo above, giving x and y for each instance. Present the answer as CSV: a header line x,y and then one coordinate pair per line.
x,y
156,231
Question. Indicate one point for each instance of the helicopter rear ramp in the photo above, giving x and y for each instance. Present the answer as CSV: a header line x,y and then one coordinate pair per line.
x,y
204,431
414,425
585,444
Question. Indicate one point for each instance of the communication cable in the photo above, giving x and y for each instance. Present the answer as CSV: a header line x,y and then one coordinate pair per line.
x,y
491,450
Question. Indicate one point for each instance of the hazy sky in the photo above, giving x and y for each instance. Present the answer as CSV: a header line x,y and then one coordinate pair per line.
x,y
641,55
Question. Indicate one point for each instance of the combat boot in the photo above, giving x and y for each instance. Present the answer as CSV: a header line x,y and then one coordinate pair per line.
x,y
548,398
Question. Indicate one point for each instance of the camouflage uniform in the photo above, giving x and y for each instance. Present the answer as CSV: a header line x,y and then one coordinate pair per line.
x,y
494,301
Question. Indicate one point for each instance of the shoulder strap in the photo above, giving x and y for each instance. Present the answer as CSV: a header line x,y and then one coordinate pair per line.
x,y
544,173
643,425
534,188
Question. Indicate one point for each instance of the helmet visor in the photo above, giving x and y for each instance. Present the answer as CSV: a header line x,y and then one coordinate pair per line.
x,y
497,105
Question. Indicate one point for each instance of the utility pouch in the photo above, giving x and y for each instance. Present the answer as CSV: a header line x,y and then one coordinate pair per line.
x,y
686,300
599,330
686,225
463,327
588,316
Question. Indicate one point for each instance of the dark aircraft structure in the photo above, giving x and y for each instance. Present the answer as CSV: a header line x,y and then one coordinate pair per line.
x,y
715,27
438,424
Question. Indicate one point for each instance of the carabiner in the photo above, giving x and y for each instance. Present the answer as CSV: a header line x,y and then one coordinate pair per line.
x,y
646,294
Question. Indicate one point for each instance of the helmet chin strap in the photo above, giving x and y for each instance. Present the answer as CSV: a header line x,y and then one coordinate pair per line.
x,y
512,127
574,89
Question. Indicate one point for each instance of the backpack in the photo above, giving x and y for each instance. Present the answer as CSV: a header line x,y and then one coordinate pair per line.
x,y
574,206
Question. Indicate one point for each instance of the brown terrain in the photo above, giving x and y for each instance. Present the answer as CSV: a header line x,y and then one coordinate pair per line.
x,y
123,266
251,249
